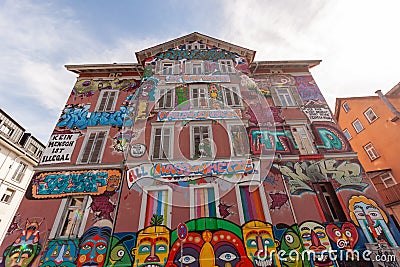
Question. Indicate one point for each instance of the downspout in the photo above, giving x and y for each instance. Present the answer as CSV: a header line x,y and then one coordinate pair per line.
x,y
387,103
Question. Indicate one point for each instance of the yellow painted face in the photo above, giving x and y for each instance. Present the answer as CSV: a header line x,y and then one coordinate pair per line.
x,y
152,247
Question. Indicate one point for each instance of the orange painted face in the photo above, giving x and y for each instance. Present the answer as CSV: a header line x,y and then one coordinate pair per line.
x,y
345,237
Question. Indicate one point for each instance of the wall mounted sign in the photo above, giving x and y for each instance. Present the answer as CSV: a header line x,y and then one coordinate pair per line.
x,y
59,149
317,112
137,150
197,78
181,115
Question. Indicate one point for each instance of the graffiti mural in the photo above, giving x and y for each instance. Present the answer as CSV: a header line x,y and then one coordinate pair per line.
x,y
331,138
199,115
197,78
344,236
60,184
278,200
121,250
205,54
15,224
60,253
60,148
86,88
308,89
365,213
269,140
317,111
301,175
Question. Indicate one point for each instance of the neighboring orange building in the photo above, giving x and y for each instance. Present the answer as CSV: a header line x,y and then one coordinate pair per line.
x,y
372,125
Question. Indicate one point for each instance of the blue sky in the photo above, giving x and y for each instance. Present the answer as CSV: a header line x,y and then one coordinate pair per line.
x,y
356,40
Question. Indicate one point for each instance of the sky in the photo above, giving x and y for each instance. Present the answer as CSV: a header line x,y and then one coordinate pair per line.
x,y
357,41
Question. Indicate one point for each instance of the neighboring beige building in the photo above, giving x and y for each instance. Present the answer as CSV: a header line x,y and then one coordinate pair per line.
x,y
372,125
19,153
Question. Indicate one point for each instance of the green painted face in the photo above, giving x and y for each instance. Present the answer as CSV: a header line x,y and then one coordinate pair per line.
x,y
291,244
119,255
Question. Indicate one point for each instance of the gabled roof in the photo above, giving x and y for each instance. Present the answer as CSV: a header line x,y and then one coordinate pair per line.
x,y
195,36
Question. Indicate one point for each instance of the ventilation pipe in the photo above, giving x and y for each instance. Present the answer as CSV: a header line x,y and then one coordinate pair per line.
x,y
387,103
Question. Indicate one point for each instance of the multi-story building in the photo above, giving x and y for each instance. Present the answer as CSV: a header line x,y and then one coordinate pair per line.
x,y
19,153
371,123
197,155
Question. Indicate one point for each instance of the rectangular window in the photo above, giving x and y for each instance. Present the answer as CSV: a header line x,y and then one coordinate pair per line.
x,y
107,101
201,141
162,142
357,126
32,148
199,97
93,147
329,202
156,208
6,129
370,115
226,66
252,203
388,179
167,68
19,172
303,140
232,95
166,98
196,68
239,140
71,219
7,196
346,107
203,202
347,134
286,96
371,151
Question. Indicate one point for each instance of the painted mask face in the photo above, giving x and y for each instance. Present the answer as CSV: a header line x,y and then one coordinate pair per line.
x,y
92,252
259,241
190,252
113,183
345,237
315,239
152,247
21,255
293,248
119,254
60,253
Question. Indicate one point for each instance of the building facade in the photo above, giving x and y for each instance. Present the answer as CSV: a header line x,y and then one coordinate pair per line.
x,y
370,123
197,155
19,153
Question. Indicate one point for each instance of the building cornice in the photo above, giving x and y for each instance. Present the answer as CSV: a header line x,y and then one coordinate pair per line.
x,y
115,67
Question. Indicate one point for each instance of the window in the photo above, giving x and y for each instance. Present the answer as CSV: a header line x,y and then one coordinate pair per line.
x,y
347,134
199,96
239,140
329,202
204,201
72,216
371,151
388,179
286,96
93,147
232,95
19,172
370,115
156,207
226,66
201,145
167,68
6,129
346,107
165,98
303,140
107,101
32,148
357,126
7,196
252,204
161,146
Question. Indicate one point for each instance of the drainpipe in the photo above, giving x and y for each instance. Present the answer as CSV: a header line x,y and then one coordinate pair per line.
x,y
387,103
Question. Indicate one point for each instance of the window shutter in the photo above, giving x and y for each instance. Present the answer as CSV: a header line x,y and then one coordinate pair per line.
x,y
88,148
103,101
188,67
111,100
159,67
176,67
296,96
275,97
98,145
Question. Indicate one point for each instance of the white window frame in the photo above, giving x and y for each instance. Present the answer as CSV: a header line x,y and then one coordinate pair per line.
x,y
390,177
192,189
189,67
20,171
370,110
231,90
102,95
354,123
346,107
62,213
347,134
263,197
35,148
8,196
226,66
371,151
85,142
210,136
143,206
167,67
202,90
162,126
285,96
162,92
6,129
230,126
306,137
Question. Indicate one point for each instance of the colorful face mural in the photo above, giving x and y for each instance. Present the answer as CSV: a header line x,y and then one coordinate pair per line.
x,y
315,239
93,246
344,237
60,253
152,246
258,237
21,255
292,245
365,213
119,253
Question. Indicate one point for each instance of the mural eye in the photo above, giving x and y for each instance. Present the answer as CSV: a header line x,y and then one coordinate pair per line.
x,y
86,247
187,259
320,234
144,249
374,214
66,253
347,233
306,236
161,248
289,239
338,233
267,242
54,253
101,246
252,243
120,253
227,256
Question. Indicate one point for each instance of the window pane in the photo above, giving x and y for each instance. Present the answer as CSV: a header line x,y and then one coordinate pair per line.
x,y
204,199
